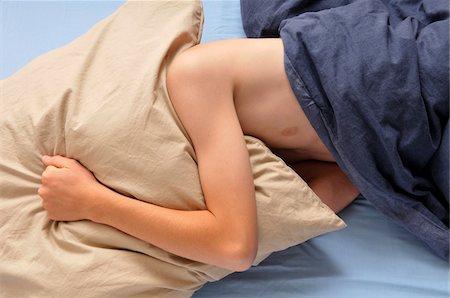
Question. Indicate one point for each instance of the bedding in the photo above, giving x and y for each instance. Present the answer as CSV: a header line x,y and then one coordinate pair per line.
x,y
373,257
102,100
378,70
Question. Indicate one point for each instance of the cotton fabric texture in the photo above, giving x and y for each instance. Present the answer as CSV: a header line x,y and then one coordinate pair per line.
x,y
373,78
102,100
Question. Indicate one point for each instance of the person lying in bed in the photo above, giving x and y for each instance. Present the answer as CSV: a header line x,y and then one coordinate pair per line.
x,y
220,92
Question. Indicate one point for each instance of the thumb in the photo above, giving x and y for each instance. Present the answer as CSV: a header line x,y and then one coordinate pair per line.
x,y
56,161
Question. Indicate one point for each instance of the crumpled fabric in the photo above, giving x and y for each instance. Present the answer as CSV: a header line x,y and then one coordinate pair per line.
x,y
372,76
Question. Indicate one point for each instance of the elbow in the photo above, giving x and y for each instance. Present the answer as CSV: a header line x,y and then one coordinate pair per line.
x,y
239,256
238,246
244,261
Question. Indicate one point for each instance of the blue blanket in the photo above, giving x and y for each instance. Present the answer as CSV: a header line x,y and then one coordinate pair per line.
x,y
372,77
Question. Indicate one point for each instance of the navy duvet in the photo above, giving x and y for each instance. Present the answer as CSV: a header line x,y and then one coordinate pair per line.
x,y
373,78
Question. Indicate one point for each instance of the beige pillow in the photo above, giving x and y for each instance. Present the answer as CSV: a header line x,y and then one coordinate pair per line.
x,y
102,100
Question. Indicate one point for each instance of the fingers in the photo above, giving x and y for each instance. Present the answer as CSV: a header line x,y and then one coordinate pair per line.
x,y
49,174
56,161
50,168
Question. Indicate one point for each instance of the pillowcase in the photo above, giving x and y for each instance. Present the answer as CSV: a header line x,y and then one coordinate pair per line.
x,y
102,100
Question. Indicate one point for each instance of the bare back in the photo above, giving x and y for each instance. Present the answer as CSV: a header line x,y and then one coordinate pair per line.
x,y
248,75
265,104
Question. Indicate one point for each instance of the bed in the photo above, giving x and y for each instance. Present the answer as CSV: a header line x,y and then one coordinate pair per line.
x,y
372,257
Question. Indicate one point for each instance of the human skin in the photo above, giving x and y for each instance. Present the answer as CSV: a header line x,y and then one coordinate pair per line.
x,y
220,92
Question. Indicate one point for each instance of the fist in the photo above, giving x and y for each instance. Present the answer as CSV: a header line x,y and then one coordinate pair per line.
x,y
68,189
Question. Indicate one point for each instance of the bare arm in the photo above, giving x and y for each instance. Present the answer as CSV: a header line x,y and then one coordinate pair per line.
x,y
328,181
225,234
70,192
209,116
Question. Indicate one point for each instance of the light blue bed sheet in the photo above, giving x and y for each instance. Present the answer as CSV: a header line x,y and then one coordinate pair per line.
x,y
371,258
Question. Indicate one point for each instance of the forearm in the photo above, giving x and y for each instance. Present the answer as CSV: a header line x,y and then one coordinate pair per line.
x,y
196,235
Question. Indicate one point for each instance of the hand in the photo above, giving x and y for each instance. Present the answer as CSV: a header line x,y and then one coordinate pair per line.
x,y
68,189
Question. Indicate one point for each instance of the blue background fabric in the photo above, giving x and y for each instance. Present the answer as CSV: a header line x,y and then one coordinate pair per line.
x,y
372,77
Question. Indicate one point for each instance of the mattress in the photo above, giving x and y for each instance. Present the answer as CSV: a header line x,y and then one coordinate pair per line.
x,y
372,257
